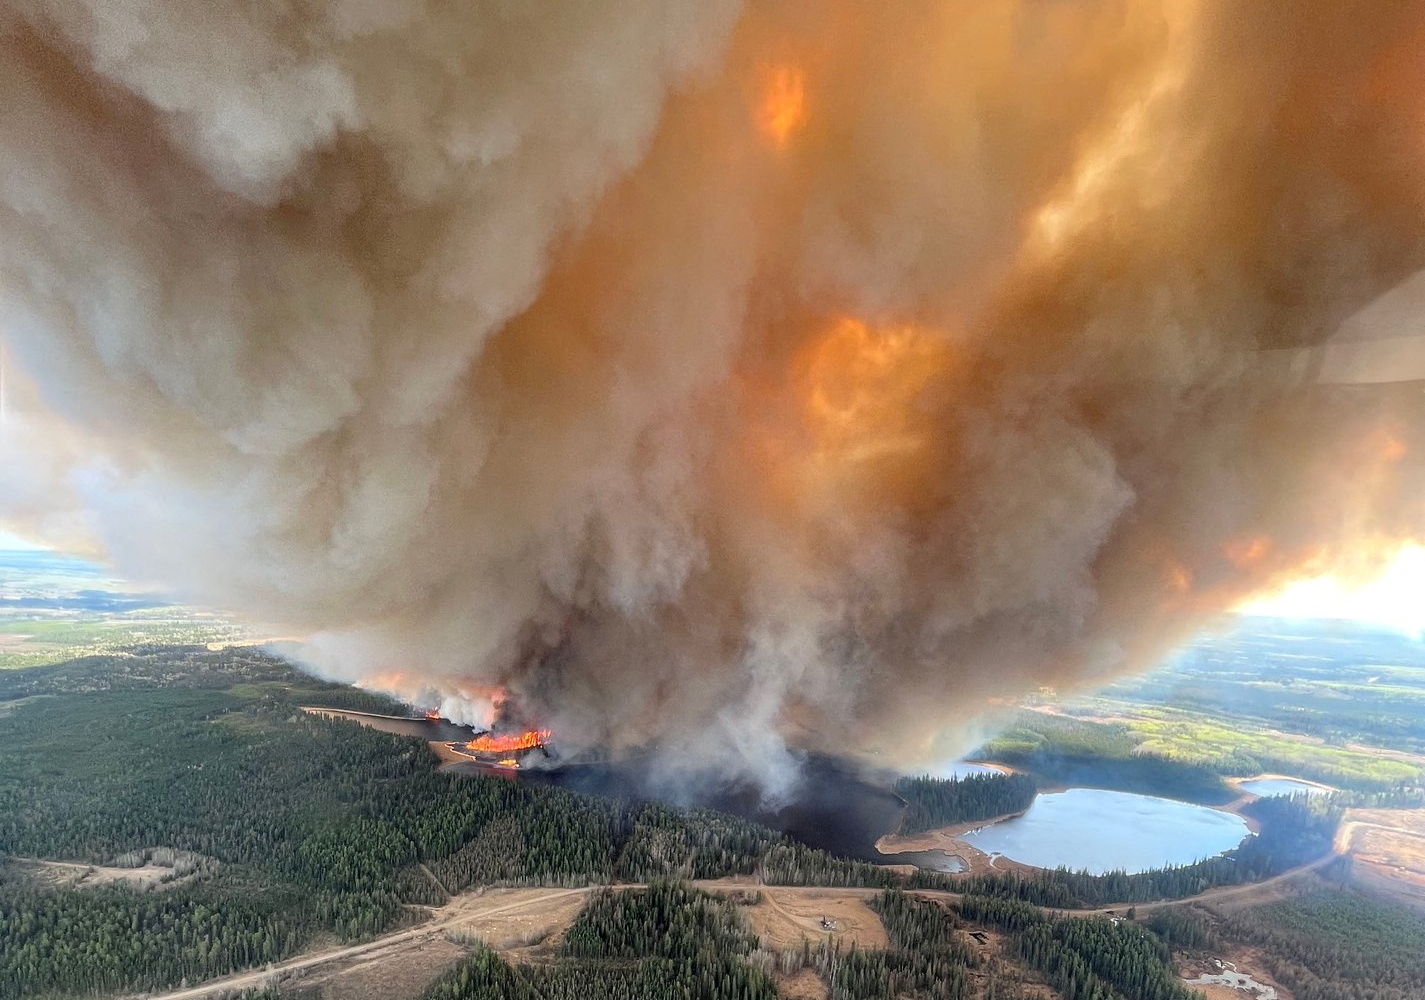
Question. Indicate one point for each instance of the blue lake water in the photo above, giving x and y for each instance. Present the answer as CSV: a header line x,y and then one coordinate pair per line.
x,y
1281,786
1102,831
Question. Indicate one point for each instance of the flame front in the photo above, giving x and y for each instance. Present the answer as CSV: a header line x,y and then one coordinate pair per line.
x,y
511,743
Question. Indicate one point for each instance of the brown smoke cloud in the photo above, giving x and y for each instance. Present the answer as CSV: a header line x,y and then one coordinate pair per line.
x,y
722,375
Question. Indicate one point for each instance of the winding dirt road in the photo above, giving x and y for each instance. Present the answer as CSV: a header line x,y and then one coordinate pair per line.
x,y
465,909
464,913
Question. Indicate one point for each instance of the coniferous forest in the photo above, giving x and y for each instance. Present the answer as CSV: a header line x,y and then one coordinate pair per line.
x,y
302,824
936,802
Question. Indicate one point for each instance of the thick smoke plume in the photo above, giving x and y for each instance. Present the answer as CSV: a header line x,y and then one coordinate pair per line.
x,y
726,376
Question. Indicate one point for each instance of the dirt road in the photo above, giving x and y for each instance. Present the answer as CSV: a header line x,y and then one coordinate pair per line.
x,y
464,913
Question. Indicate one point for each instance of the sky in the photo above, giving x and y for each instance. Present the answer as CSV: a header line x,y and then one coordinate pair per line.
x,y
1395,599
12,543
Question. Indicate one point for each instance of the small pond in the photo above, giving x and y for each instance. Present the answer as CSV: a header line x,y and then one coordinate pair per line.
x,y
1102,831
1281,786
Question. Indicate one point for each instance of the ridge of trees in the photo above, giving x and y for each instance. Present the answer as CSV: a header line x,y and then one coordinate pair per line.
x,y
936,802
1091,958
1336,944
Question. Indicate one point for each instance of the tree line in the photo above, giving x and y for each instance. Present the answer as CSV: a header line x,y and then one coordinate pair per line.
x,y
1084,958
935,802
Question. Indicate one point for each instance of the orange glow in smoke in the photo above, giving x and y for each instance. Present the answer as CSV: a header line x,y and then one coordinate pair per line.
x,y
783,107
849,418
1244,553
490,743
859,387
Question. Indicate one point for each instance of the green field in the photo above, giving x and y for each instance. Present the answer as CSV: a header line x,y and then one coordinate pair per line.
x,y
1333,702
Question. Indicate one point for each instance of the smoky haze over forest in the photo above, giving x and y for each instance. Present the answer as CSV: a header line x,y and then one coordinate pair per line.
x,y
724,375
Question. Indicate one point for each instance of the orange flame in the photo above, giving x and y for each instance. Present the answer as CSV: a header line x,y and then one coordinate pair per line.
x,y
490,743
783,108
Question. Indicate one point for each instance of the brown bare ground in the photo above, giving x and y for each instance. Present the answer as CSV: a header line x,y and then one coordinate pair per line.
x,y
1387,848
999,964
942,838
72,875
946,839
402,973
784,918
528,919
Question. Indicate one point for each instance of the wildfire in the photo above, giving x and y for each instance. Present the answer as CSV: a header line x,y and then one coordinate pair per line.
x,y
511,743
783,107
859,386
433,715
847,419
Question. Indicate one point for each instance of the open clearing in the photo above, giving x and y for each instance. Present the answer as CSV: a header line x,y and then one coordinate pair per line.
x,y
402,972
72,875
523,921
784,918
1387,848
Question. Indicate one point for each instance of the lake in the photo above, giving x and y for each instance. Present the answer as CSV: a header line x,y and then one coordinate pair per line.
x,y
1102,831
1281,786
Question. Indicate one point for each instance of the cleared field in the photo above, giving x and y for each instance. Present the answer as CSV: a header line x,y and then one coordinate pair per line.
x,y
518,923
1387,848
69,875
784,918
402,972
